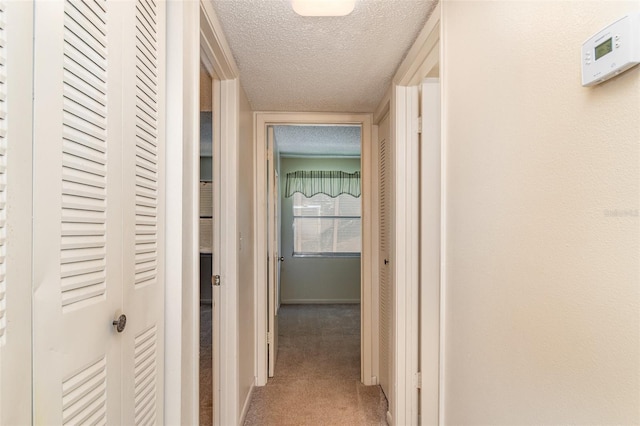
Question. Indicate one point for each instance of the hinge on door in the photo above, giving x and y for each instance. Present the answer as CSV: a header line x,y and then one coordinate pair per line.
x,y
215,280
269,338
419,125
419,380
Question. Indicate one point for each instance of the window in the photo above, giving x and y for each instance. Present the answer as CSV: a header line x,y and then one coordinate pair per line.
x,y
325,226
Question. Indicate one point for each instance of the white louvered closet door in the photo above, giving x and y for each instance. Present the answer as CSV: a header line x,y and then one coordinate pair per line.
x,y
96,225
143,107
386,293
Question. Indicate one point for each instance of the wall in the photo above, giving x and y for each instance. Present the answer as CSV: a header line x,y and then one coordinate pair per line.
x,y
246,279
315,280
542,236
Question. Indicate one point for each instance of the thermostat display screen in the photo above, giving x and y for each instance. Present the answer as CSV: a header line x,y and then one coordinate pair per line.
x,y
604,48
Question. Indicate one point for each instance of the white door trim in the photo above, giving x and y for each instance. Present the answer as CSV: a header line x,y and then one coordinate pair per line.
x,y
229,366
430,246
262,119
404,258
181,257
193,29
422,60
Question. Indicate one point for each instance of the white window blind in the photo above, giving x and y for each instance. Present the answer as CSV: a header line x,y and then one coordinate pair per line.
x,y
326,226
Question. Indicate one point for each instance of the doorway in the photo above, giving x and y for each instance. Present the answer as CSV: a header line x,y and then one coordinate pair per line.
x,y
266,345
315,218
208,256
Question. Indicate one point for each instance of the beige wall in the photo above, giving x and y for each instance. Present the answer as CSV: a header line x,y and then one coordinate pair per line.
x,y
312,279
206,90
543,289
246,291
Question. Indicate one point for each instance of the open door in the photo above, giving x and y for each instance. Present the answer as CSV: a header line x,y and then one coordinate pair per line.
x,y
430,240
273,224
278,233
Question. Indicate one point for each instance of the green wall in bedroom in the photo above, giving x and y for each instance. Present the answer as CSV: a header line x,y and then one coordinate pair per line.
x,y
312,279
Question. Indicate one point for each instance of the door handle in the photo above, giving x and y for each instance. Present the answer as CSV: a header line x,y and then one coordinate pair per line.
x,y
120,323
386,261
281,258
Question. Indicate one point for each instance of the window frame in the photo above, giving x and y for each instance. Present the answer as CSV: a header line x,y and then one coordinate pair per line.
x,y
329,254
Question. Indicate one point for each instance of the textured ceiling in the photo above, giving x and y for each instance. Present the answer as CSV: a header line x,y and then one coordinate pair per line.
x,y
335,64
310,141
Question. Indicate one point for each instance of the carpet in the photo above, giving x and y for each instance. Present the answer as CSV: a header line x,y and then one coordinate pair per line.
x,y
206,376
317,375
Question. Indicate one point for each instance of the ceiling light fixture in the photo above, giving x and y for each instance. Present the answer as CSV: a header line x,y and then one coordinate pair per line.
x,y
323,7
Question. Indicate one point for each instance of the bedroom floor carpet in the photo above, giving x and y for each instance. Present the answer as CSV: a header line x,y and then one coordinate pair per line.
x,y
206,376
317,375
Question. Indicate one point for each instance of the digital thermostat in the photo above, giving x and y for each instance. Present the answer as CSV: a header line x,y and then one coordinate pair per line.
x,y
611,51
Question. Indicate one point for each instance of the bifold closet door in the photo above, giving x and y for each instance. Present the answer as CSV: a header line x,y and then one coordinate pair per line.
x,y
143,209
97,213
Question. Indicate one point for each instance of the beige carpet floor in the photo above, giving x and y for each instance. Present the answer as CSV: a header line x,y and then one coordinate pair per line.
x,y
317,376
206,377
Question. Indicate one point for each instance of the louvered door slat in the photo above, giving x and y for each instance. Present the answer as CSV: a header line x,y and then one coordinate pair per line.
x,y
83,395
85,139
146,138
145,369
143,211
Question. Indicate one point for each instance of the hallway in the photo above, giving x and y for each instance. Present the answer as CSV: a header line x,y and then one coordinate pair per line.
x,y
317,372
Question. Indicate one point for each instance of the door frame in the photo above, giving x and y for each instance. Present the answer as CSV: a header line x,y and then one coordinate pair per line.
x,y
273,248
193,31
16,346
367,331
412,330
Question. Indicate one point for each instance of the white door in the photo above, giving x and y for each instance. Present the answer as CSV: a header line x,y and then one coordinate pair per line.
x,y
98,215
386,286
16,68
143,209
278,232
430,205
273,252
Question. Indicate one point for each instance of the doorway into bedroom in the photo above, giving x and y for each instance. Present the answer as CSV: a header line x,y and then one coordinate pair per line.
x,y
315,234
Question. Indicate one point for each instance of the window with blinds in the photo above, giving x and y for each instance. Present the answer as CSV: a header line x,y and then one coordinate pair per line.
x,y
326,226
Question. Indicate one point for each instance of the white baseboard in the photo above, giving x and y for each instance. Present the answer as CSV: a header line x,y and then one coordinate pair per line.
x,y
317,301
247,402
389,419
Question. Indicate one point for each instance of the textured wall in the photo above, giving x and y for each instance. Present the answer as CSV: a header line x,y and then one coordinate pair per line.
x,y
246,279
312,279
543,288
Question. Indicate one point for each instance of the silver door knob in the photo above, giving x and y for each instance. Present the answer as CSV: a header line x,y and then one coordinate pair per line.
x,y
120,323
281,258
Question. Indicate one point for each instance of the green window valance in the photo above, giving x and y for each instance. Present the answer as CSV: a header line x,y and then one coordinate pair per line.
x,y
331,183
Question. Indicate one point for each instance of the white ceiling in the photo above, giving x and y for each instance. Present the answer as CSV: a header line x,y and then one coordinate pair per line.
x,y
315,141
332,64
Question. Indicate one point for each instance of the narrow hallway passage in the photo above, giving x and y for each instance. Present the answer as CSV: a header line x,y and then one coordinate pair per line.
x,y
317,376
